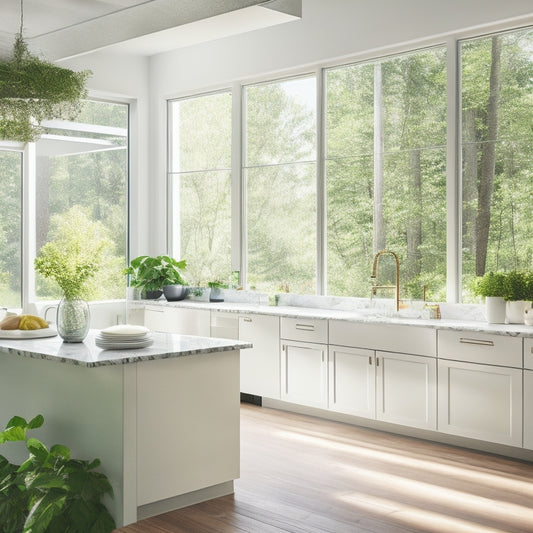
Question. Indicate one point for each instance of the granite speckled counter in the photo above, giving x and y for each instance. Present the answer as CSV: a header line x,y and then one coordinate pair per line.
x,y
88,354
163,420
455,316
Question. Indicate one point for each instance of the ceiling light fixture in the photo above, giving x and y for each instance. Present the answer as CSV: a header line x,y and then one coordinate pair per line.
x,y
33,90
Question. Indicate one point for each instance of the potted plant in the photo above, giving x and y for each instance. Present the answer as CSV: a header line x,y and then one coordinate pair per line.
x,y
152,274
216,287
518,293
70,268
491,287
199,293
50,491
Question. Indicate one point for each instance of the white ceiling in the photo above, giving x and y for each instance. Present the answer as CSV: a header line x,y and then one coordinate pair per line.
x,y
60,29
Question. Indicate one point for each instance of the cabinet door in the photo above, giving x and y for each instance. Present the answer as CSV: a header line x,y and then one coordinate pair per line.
x,y
352,381
481,401
184,321
304,373
528,409
406,390
260,372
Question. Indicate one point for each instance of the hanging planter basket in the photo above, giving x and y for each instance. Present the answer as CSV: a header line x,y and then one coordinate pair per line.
x,y
33,90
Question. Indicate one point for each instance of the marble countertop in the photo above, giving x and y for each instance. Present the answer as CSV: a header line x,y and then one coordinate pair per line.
x,y
86,353
369,316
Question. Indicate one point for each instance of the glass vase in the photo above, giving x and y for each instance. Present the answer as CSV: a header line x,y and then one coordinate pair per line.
x,y
73,318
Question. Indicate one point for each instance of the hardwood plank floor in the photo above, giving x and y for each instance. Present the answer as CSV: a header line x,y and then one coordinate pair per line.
x,y
305,475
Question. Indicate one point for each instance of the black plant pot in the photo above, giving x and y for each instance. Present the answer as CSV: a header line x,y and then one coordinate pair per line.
x,y
152,295
175,293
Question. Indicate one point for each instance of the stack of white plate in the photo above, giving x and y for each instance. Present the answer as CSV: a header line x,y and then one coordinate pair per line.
x,y
124,337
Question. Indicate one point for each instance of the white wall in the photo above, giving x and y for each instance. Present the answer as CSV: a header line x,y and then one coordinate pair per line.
x,y
330,31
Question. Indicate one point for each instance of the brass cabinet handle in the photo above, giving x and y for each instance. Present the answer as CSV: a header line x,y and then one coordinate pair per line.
x,y
479,342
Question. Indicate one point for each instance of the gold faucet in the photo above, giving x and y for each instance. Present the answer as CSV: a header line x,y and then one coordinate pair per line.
x,y
396,286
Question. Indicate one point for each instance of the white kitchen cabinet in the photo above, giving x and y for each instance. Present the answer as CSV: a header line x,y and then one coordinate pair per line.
x,y
260,365
528,354
480,401
528,409
304,373
480,386
304,365
352,381
184,321
406,389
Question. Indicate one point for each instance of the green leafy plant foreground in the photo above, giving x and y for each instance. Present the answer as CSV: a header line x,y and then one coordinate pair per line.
x,y
50,492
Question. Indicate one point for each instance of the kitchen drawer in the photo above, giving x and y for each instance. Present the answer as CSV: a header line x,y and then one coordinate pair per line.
x,y
385,337
304,329
528,353
224,325
474,347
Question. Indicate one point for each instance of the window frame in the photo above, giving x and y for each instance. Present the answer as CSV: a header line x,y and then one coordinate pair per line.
x,y
453,149
28,203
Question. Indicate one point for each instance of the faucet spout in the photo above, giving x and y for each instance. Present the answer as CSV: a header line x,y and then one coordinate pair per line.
x,y
374,276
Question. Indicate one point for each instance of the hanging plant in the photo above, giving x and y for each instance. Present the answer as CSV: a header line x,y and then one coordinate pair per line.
x,y
33,90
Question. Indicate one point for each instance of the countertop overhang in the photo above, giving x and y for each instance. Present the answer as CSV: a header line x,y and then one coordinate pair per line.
x,y
87,354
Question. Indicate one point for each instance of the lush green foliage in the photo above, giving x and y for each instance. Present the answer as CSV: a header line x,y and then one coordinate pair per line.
x,y
512,286
518,285
10,228
32,90
490,284
72,258
50,492
153,273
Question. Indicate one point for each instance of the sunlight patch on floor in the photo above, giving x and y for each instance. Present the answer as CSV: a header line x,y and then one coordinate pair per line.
x,y
415,517
436,495
463,472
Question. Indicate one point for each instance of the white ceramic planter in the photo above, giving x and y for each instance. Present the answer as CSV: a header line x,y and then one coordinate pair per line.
x,y
495,309
515,311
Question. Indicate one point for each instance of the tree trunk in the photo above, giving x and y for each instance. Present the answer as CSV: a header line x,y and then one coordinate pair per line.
x,y
488,159
379,221
414,225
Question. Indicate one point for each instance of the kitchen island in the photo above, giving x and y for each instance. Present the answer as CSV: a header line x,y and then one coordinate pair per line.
x,y
164,420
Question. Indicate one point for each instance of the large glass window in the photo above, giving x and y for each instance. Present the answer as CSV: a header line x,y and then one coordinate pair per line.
x,y
280,178
81,190
10,228
200,183
386,172
497,148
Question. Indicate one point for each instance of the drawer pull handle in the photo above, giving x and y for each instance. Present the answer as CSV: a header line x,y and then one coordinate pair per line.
x,y
370,360
246,319
480,342
305,327
156,310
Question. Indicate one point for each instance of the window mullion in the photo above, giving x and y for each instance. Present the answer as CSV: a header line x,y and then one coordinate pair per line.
x,y
453,175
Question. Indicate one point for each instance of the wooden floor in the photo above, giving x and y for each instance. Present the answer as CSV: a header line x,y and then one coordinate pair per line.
x,y
305,475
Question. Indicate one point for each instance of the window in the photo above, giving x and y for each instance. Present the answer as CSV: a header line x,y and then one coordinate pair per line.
x,y
497,147
388,138
200,184
386,172
10,228
280,177
81,190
